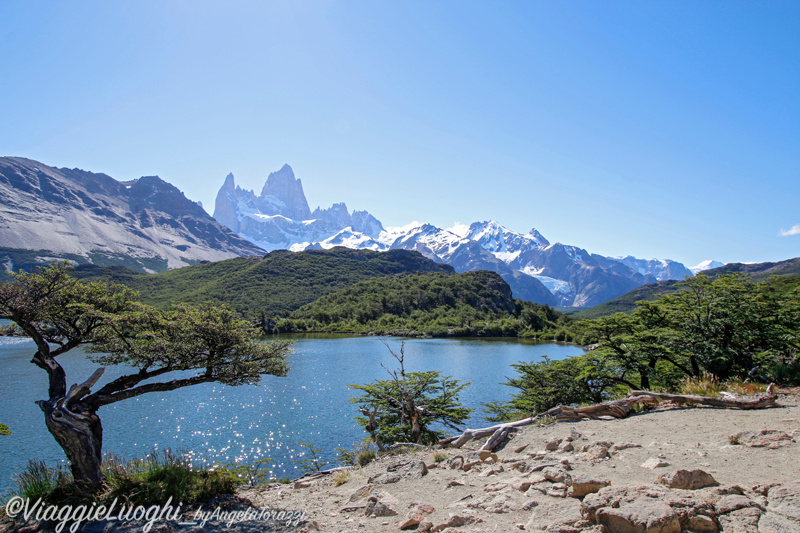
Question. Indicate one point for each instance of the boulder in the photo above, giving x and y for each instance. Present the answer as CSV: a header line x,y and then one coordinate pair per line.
x,y
654,462
456,520
585,485
687,479
741,521
556,475
785,500
381,504
416,515
640,516
771,438
553,445
554,515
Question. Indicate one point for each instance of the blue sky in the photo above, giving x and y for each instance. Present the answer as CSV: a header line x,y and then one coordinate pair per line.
x,y
657,129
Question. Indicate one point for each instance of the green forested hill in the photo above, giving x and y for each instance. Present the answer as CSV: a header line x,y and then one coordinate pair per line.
x,y
472,303
262,288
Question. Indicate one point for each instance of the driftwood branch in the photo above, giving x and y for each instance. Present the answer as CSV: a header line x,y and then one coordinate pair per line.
x,y
621,408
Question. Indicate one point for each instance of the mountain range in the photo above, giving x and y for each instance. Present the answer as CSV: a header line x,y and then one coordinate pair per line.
x,y
149,225
537,270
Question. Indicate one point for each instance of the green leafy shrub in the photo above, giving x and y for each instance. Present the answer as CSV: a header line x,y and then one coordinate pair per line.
x,y
405,407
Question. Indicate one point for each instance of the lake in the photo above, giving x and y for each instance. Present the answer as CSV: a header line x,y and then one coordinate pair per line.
x,y
219,423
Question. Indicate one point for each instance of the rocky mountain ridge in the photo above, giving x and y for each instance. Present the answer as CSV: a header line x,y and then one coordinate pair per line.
x,y
145,223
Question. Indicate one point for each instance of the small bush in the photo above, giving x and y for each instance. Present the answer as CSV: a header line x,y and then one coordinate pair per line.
x,y
438,457
38,480
312,463
360,455
340,477
366,456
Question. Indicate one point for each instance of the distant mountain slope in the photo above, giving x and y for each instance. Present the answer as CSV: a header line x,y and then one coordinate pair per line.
x,y
146,224
760,271
627,302
260,288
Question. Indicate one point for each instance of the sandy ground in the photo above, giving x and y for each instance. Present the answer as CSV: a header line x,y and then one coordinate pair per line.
x,y
683,438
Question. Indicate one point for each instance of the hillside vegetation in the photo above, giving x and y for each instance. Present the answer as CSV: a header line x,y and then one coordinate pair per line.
x,y
264,288
713,333
436,304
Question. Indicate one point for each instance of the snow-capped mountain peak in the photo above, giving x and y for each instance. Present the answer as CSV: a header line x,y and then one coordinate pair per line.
x,y
496,238
279,218
705,265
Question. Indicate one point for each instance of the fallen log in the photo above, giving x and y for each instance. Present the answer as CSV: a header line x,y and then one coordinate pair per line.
x,y
621,408
759,401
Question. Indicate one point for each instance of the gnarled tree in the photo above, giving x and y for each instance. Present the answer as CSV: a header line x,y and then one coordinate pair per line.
x,y
60,314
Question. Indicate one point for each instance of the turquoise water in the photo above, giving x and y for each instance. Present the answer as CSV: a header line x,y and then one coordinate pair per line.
x,y
219,423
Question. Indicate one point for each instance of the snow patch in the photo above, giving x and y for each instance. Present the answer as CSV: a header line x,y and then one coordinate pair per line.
x,y
557,287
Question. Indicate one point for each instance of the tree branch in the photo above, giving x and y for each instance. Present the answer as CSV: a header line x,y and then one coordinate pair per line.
x,y
76,392
95,401
130,380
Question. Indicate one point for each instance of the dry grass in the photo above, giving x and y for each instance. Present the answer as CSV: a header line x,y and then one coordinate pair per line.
x,y
710,385
340,477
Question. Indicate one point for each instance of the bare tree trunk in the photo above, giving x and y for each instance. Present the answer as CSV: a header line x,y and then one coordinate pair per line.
x,y
80,435
413,418
77,429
